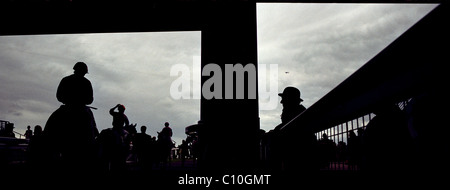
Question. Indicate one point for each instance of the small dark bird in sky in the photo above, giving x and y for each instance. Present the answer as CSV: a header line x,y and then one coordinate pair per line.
x,y
286,72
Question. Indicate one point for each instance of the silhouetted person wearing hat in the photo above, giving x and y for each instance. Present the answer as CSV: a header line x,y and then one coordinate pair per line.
x,y
290,99
71,130
116,156
75,89
119,118
280,155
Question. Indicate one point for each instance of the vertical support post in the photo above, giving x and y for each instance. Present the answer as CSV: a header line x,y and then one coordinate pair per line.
x,y
231,123
364,123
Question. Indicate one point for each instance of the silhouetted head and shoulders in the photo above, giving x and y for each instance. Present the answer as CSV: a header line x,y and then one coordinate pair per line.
x,y
143,129
291,101
37,130
167,126
75,89
167,131
142,139
28,133
143,134
37,136
119,117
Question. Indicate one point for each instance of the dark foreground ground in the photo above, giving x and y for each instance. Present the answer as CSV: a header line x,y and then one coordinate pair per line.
x,y
176,176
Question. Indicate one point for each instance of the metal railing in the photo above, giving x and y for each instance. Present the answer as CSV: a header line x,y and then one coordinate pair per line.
x,y
342,155
346,156
21,136
3,124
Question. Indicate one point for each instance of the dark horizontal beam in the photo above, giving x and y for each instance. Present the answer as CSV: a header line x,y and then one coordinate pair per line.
x,y
96,17
208,1
350,1
23,17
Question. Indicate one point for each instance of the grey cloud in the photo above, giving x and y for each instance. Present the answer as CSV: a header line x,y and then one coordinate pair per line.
x,y
322,44
133,69
319,44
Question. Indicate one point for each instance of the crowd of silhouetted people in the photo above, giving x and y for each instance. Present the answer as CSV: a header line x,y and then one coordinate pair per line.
x,y
114,147
70,141
403,141
395,140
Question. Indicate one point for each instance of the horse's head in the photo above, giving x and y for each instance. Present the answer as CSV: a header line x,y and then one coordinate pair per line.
x,y
131,129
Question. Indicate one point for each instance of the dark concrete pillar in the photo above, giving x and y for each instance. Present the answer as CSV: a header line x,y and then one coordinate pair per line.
x,y
231,124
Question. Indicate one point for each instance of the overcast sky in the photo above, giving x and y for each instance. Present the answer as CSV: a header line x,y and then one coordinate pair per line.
x,y
318,44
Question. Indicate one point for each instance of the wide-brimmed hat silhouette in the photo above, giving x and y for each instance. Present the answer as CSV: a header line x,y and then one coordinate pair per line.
x,y
291,93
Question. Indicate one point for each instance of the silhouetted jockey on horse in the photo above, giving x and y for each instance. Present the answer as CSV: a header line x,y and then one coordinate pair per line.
x,y
119,118
115,142
71,129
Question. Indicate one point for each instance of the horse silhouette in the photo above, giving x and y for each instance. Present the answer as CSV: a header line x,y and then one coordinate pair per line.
x,y
163,148
70,134
114,147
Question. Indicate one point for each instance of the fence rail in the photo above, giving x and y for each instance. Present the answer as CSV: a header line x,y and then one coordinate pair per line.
x,y
338,138
343,154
